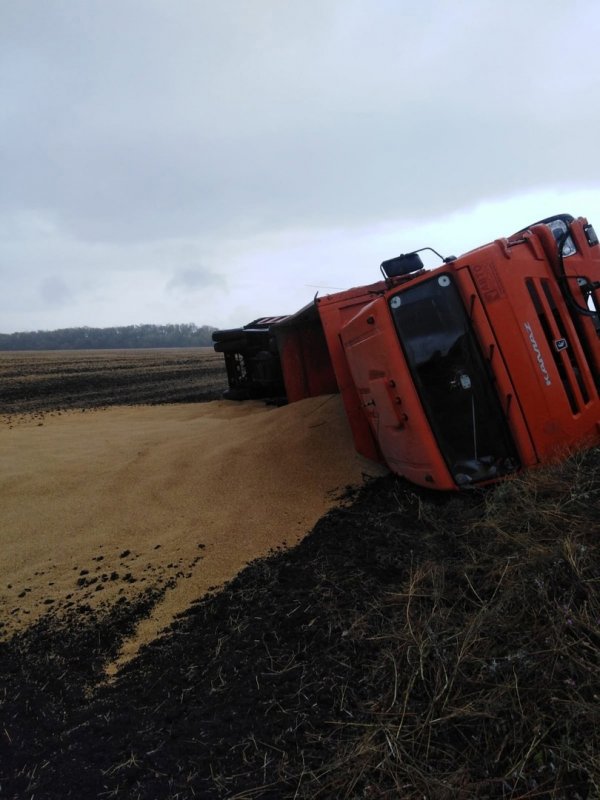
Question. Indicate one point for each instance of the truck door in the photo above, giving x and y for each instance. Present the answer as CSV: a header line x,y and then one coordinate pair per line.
x,y
389,398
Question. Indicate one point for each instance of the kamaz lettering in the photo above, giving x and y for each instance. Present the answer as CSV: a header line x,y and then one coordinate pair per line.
x,y
538,355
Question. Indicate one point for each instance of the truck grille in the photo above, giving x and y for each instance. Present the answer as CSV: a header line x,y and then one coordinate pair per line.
x,y
570,360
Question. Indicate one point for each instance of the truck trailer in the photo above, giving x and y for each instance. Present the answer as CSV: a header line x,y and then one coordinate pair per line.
x,y
455,376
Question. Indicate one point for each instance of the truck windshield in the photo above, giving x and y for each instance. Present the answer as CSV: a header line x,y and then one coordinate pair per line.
x,y
452,380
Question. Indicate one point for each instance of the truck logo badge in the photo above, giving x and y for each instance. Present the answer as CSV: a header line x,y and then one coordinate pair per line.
x,y
538,355
561,344
488,281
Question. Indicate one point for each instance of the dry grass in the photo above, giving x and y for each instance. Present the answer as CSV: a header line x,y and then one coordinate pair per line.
x,y
486,664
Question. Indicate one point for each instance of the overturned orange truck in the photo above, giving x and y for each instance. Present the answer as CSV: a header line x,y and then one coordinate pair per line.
x,y
453,376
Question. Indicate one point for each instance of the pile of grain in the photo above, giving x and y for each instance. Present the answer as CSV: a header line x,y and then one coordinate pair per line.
x,y
106,503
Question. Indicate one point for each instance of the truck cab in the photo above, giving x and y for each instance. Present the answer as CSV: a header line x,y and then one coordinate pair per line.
x,y
463,374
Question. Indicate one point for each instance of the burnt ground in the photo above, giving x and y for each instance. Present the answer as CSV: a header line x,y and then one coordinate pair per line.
x,y
414,645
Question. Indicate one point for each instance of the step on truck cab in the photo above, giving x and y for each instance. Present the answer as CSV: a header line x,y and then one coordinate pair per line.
x,y
458,375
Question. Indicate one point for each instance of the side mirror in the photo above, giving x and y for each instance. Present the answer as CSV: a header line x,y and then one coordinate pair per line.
x,y
404,264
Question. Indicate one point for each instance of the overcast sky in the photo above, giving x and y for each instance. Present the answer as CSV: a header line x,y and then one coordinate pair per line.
x,y
209,162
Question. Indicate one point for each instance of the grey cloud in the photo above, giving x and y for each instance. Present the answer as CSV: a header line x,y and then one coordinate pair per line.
x,y
54,291
128,127
193,120
195,279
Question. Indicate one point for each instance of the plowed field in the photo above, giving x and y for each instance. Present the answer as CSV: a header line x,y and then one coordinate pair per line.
x,y
50,380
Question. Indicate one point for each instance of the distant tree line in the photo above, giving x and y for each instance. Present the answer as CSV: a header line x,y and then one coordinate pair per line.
x,y
129,336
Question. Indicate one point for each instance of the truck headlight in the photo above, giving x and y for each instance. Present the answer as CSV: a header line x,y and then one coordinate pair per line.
x,y
559,228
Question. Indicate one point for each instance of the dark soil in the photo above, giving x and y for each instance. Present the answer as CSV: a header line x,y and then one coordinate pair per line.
x,y
415,645
400,650
42,381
